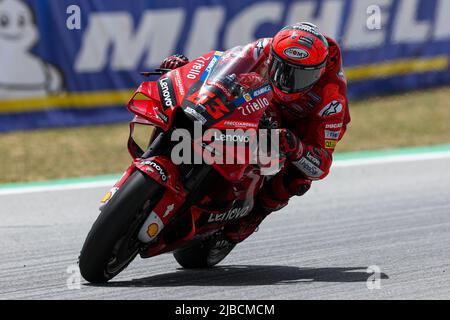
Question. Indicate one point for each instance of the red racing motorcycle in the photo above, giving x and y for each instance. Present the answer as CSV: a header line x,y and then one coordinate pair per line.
x,y
162,204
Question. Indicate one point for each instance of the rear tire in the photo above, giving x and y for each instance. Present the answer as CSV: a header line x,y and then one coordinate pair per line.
x,y
203,253
112,241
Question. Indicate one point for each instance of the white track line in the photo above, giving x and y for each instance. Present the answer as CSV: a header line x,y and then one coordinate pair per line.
x,y
392,159
63,187
336,164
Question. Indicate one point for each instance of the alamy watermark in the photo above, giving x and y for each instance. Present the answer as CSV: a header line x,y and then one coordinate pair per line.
x,y
232,146
373,21
73,282
73,21
374,280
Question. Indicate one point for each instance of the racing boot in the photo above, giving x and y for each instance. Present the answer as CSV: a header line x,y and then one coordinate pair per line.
x,y
241,229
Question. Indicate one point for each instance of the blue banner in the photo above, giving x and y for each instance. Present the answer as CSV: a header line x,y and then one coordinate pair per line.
x,y
75,62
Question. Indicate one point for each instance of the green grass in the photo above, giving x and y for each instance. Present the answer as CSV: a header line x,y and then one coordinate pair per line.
x,y
411,119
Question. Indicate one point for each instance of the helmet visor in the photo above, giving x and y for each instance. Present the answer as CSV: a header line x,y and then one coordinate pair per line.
x,y
291,78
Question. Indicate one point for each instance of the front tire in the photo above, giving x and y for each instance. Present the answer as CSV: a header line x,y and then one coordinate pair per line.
x,y
112,241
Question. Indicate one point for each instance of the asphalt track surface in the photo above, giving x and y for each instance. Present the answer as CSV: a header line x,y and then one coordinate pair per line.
x,y
395,216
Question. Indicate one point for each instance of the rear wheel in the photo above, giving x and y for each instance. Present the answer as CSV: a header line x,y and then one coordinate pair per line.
x,y
203,253
112,242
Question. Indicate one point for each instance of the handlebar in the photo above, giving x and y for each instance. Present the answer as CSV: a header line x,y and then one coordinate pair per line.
x,y
157,72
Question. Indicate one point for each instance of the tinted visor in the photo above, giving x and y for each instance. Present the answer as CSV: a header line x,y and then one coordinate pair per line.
x,y
291,78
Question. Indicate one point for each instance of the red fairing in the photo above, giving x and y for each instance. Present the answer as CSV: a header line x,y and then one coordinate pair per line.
x,y
186,76
147,103
162,170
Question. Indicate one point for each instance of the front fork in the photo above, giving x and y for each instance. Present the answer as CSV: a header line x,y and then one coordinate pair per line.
x,y
177,181
175,197
164,172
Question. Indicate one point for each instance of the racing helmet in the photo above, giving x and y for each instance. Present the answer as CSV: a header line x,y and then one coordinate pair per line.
x,y
297,60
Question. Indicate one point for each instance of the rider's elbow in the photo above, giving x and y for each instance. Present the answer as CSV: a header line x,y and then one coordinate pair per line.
x,y
315,163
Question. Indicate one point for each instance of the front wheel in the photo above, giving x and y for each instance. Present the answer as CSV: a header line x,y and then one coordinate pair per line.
x,y
112,241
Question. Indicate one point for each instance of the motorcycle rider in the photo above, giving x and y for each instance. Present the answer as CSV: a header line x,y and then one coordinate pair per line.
x,y
310,103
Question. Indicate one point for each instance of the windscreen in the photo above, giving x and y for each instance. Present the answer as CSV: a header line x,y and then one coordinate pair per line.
x,y
229,78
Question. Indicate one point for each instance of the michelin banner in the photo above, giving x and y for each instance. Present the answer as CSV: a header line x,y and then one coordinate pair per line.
x,y
75,62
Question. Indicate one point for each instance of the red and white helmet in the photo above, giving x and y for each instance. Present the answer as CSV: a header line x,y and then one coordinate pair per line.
x,y
297,60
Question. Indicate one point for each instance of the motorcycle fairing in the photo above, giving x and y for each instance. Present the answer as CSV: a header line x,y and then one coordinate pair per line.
x,y
163,171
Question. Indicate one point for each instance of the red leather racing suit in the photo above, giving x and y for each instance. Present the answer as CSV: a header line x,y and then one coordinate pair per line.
x,y
318,119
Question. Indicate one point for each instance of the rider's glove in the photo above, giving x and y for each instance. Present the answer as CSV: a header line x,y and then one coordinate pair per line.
x,y
290,145
251,80
174,61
